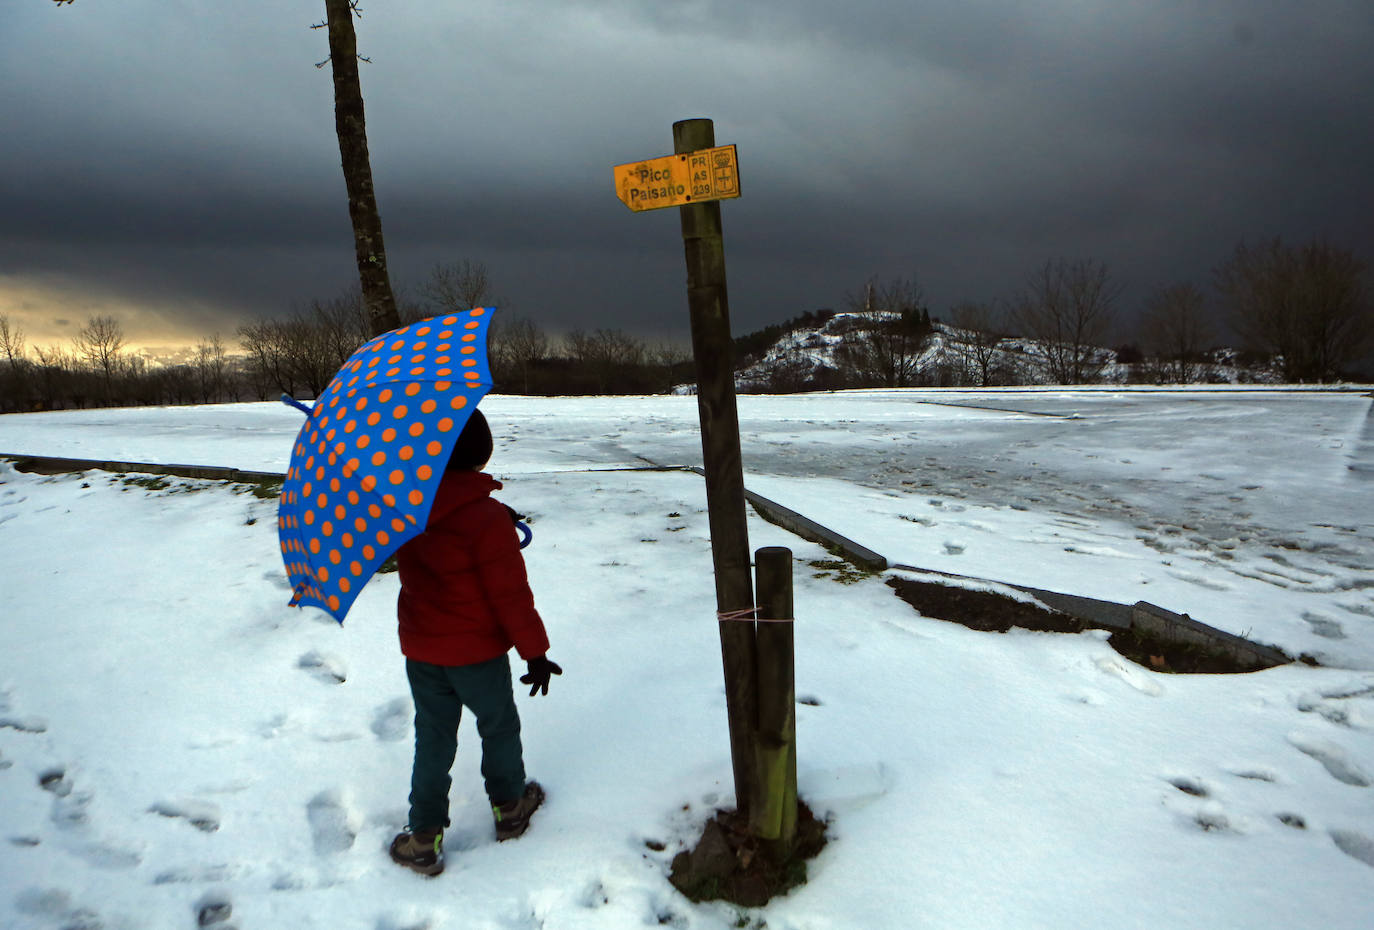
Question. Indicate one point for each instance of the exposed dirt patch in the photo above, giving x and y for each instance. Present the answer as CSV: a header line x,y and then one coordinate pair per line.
x,y
728,864
991,612
982,610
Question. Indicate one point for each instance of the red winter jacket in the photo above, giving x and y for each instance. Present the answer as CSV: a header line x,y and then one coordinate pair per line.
x,y
465,597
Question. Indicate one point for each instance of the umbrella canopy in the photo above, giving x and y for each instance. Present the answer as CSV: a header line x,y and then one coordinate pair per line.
x,y
370,456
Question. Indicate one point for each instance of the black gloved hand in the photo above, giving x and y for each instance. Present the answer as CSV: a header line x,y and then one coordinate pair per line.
x,y
540,669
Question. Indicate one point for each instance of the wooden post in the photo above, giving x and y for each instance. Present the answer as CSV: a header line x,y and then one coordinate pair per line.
x,y
350,124
774,817
713,350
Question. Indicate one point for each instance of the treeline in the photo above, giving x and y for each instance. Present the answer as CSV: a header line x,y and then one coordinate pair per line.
x,y
299,354
1302,312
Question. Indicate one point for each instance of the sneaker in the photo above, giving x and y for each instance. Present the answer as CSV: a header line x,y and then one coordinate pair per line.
x,y
419,850
513,817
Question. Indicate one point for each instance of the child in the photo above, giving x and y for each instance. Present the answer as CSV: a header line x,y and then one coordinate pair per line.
x,y
465,601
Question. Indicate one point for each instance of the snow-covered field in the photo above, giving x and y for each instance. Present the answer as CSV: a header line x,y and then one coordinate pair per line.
x,y
173,737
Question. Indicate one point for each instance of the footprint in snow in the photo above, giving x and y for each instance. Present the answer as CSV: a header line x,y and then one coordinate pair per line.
x,y
1188,785
1290,819
277,579
1322,626
1130,674
327,668
1254,773
1334,758
1354,844
391,721
595,895
202,815
1343,715
1198,580
198,874
23,724
213,909
70,808
109,856
331,824
55,905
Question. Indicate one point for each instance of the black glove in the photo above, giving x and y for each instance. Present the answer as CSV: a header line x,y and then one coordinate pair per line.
x,y
539,671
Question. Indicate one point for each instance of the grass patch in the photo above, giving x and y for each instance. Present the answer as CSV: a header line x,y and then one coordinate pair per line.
x,y
267,489
156,484
839,570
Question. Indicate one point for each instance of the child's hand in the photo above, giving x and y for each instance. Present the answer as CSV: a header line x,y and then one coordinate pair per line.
x,y
540,670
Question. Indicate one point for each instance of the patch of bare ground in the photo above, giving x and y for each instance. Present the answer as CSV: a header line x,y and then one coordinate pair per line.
x,y
992,612
729,864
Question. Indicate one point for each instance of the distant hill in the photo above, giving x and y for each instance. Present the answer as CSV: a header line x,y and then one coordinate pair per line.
x,y
827,350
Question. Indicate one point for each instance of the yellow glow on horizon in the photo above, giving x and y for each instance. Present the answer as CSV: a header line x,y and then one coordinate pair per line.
x,y
49,311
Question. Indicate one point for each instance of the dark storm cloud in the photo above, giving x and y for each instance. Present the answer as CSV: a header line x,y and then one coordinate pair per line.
x,y
185,153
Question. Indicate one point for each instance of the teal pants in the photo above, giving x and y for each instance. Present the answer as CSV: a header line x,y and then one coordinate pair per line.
x,y
440,693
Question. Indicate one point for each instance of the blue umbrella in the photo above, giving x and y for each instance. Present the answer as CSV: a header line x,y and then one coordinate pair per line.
x,y
368,461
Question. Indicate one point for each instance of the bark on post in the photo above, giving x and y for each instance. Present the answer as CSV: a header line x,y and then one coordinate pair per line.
x,y
713,350
774,817
350,124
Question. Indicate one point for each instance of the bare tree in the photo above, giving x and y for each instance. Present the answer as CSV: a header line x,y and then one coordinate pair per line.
x,y
886,349
1068,307
1307,305
668,357
265,362
56,381
294,355
457,287
308,352
977,330
1175,329
342,323
605,353
350,124
14,386
11,341
100,342
210,368
516,347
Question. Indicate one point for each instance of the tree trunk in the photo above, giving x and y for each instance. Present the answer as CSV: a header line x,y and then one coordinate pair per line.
x,y
350,124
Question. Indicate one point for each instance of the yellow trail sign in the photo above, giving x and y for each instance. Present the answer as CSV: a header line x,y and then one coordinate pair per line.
x,y
677,180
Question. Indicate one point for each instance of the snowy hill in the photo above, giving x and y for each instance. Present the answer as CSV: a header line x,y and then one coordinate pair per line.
x,y
819,356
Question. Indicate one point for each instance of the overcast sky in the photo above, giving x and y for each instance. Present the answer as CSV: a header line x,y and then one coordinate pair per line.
x,y
175,164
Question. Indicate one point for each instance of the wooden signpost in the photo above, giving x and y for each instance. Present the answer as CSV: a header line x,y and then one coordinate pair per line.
x,y
695,178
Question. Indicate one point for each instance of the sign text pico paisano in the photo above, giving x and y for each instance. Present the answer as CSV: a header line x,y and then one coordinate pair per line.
x,y
677,180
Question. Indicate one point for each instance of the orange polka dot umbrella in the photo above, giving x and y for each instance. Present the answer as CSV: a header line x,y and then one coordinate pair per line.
x,y
368,460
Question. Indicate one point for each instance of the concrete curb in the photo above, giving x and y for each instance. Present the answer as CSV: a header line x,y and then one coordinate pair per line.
x,y
51,465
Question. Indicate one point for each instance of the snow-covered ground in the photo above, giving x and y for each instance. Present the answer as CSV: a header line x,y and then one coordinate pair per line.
x,y
173,736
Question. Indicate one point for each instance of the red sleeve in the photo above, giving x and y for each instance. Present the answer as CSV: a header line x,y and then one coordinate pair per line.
x,y
505,584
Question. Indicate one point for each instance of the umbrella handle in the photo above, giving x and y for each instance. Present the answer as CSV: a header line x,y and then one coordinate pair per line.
x,y
292,402
526,534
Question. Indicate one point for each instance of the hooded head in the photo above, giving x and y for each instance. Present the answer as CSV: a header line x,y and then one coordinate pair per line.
x,y
473,448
